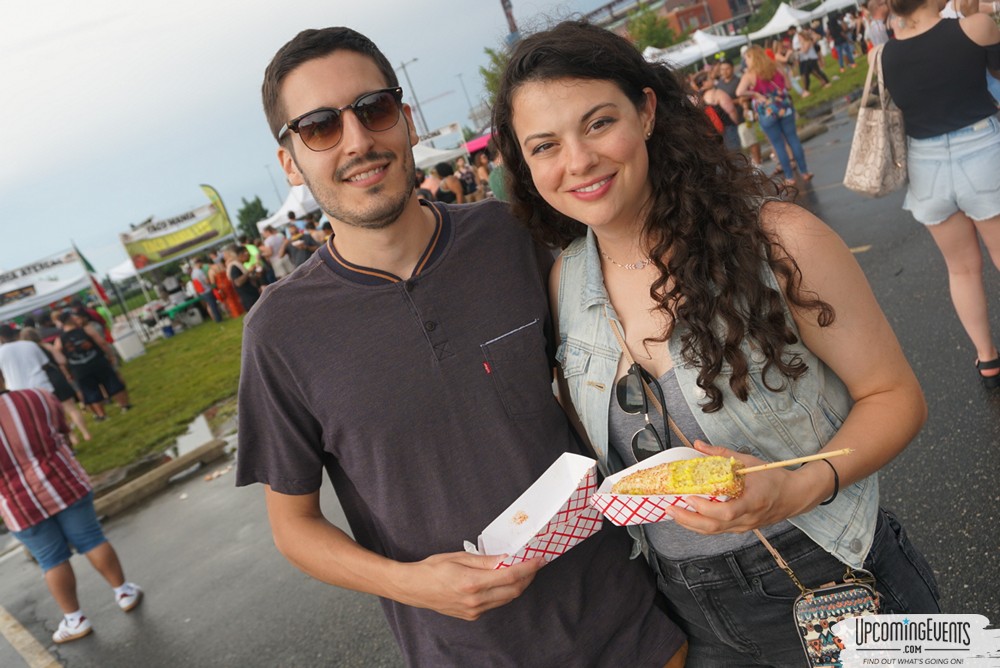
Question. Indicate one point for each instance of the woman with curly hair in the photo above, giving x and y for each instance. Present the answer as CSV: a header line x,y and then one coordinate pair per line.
x,y
747,315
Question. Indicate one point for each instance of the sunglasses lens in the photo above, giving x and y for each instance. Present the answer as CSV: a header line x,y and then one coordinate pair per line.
x,y
646,443
378,111
321,130
628,391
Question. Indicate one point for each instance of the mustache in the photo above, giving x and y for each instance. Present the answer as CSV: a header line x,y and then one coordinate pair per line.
x,y
371,156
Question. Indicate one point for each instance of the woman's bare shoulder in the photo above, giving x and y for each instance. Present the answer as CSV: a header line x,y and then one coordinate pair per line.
x,y
797,230
981,29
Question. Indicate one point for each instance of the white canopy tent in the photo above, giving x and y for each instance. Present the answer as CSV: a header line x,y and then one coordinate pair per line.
x,y
425,156
299,201
39,284
701,46
48,290
123,271
784,18
828,6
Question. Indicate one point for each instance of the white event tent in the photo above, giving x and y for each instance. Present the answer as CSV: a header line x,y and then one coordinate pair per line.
x,y
42,283
425,156
123,271
784,18
701,46
828,6
48,290
299,201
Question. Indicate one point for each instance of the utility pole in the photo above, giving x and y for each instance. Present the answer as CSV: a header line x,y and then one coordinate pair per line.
x,y
509,11
277,194
467,100
416,102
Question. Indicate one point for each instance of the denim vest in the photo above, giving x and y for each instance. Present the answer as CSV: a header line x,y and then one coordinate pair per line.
x,y
797,420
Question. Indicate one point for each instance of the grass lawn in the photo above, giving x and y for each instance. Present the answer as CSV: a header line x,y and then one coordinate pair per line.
x,y
176,380
850,81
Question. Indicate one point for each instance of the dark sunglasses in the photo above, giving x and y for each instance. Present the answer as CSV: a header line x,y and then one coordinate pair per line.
x,y
322,129
632,399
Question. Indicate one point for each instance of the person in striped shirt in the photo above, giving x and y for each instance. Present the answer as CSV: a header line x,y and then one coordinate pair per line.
x,y
47,502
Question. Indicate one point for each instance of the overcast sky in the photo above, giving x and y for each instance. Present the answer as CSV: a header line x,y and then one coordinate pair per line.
x,y
117,110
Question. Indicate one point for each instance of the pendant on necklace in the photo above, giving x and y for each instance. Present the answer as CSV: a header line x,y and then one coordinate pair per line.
x,y
641,264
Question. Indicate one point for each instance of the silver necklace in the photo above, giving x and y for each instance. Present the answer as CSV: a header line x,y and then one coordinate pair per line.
x,y
641,264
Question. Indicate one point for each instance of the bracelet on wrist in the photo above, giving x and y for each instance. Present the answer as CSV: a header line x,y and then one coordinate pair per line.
x,y
836,483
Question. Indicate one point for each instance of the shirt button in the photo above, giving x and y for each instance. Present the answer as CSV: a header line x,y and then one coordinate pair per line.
x,y
408,285
856,546
430,325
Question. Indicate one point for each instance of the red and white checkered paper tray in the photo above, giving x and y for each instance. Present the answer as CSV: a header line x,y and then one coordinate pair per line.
x,y
553,515
626,509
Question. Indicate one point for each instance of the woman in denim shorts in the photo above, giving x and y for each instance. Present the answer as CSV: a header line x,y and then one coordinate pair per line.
x,y
934,70
47,503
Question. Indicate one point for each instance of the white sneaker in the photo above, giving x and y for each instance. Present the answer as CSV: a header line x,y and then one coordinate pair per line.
x,y
131,597
68,633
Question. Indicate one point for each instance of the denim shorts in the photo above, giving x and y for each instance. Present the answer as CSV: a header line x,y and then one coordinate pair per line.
x,y
49,541
736,607
957,171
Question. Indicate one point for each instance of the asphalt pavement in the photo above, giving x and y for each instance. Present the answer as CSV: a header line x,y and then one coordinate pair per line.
x,y
219,594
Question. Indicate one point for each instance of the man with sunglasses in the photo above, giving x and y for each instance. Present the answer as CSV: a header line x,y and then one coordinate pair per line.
x,y
428,401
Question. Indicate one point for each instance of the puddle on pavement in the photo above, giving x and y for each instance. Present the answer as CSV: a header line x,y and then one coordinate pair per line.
x,y
198,434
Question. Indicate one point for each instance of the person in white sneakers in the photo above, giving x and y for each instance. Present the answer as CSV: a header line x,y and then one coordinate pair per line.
x,y
47,502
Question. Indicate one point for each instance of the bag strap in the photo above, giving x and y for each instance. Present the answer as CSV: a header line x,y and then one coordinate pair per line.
x,y
874,62
883,92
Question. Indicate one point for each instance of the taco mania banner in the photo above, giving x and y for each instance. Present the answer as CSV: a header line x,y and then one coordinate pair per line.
x,y
157,241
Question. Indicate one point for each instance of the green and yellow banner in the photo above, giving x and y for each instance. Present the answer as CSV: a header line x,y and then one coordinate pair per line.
x,y
154,242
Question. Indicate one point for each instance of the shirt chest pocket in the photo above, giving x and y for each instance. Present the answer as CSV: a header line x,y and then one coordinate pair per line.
x,y
519,367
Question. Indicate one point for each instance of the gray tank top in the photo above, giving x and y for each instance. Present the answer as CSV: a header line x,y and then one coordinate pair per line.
x,y
668,538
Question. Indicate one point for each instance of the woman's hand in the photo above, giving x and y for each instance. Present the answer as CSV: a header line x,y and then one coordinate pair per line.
x,y
768,496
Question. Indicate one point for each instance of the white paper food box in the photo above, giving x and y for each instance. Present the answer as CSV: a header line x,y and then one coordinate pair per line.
x,y
627,509
553,515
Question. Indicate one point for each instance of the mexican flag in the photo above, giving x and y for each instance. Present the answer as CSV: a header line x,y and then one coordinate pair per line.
x,y
94,282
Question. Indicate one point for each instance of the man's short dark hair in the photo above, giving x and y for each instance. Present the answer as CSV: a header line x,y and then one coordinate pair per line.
x,y
7,333
309,45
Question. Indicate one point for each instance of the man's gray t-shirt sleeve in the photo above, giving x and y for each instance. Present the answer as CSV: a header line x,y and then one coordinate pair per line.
x,y
280,443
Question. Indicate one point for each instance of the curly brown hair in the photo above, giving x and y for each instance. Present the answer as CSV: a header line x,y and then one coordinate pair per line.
x,y
703,224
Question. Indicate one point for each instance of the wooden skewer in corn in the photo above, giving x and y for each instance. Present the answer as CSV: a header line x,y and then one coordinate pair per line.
x,y
708,475
797,460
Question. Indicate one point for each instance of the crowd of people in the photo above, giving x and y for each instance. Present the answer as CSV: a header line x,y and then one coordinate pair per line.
x,y
70,354
462,183
758,91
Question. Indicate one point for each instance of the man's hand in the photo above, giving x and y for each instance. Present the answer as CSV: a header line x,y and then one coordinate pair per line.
x,y
462,585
